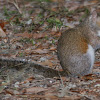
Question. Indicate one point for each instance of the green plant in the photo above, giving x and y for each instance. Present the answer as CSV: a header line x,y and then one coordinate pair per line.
x,y
32,41
86,13
28,40
53,41
21,54
69,13
8,14
54,21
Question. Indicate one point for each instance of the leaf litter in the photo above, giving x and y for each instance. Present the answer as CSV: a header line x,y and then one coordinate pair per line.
x,y
35,37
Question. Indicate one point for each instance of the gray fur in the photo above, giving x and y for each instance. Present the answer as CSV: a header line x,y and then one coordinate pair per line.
x,y
73,61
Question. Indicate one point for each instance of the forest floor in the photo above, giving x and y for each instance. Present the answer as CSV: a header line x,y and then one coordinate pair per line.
x,y
30,29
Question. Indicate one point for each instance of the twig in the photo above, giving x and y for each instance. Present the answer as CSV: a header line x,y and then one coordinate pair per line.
x,y
15,3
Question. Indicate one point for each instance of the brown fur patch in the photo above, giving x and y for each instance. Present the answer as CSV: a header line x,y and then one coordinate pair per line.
x,y
83,45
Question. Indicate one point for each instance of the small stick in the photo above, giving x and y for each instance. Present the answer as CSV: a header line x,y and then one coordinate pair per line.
x,y
15,3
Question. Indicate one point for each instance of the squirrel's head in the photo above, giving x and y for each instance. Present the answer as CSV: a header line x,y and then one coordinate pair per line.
x,y
94,22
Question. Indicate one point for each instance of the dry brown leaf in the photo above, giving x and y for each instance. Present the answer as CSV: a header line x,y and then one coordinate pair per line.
x,y
35,90
52,48
41,51
46,63
51,96
9,92
97,64
15,39
27,80
32,35
39,35
74,7
58,34
96,70
30,78
64,79
76,90
88,77
37,51
2,33
61,70
2,24
54,9
25,35
94,1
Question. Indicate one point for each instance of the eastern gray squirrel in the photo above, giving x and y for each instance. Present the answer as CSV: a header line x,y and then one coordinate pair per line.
x,y
76,47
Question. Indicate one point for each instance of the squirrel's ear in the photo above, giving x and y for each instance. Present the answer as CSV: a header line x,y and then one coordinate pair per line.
x,y
93,15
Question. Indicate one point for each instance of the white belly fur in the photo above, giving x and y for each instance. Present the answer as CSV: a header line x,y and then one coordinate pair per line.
x,y
90,51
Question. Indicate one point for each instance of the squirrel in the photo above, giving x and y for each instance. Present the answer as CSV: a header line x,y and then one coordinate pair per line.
x,y
76,47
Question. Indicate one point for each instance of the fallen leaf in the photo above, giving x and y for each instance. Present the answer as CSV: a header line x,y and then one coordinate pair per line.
x,y
97,64
39,35
46,63
61,70
58,34
52,49
64,79
37,51
88,77
31,35
9,92
2,33
25,35
94,1
96,70
34,90
76,90
41,51
2,24
28,80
